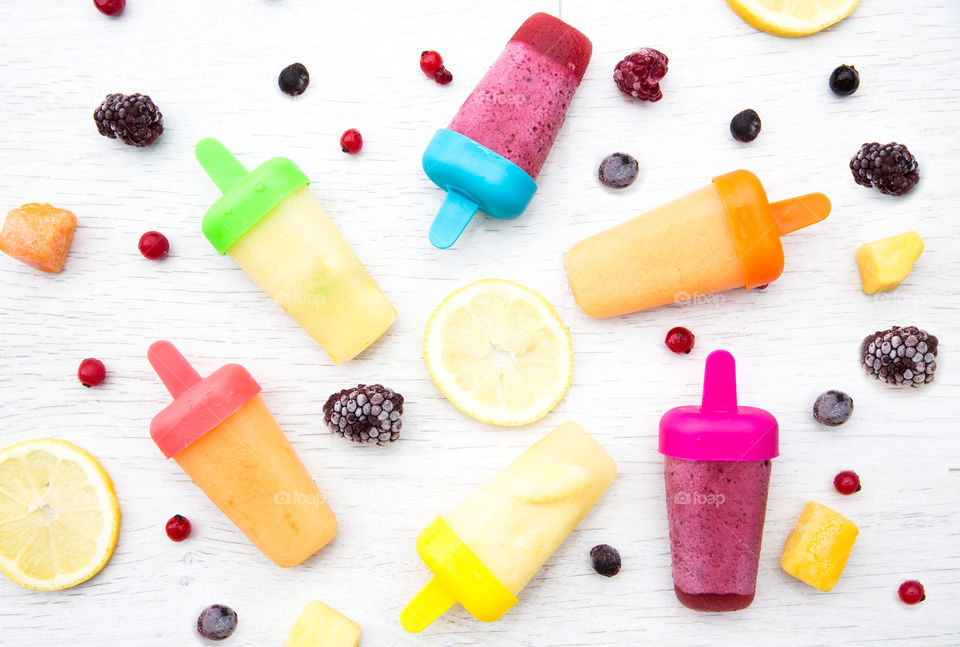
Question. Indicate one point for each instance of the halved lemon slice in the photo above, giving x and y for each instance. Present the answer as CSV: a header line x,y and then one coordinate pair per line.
x,y
792,18
59,516
499,352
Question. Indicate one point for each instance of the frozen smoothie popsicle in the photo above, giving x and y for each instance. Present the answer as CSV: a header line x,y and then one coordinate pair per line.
x,y
484,552
717,471
489,157
270,223
723,236
221,433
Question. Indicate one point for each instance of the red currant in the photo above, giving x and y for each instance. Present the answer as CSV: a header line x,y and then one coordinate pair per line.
x,y
178,528
110,7
92,372
430,62
680,340
911,592
351,141
442,76
847,482
154,245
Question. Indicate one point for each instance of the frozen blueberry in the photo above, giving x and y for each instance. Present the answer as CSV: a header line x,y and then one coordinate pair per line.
x,y
833,408
606,560
745,125
217,622
618,171
294,79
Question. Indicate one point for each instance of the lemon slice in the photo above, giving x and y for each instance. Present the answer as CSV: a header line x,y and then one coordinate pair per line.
x,y
59,516
792,18
498,351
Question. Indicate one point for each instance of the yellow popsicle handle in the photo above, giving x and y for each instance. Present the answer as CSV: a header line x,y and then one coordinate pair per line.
x,y
430,603
799,212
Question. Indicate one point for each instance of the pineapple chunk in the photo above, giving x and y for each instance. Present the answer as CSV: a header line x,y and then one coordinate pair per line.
x,y
818,546
885,263
321,626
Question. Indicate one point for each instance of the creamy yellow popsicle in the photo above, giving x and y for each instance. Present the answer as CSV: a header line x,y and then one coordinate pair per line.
x,y
485,551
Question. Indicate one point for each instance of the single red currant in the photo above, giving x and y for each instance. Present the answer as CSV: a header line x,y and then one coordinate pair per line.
x,y
92,372
178,528
847,482
430,62
443,76
911,592
680,340
154,245
110,7
351,141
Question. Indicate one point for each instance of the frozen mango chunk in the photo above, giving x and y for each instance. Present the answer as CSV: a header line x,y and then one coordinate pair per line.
x,y
38,235
321,626
818,546
885,263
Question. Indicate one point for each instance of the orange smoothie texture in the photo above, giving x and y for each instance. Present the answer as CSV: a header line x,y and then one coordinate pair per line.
x,y
250,471
681,250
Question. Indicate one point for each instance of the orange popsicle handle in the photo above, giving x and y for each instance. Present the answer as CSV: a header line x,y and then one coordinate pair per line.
x,y
799,212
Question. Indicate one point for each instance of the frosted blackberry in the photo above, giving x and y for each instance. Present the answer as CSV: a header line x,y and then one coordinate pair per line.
x,y
133,119
365,414
900,356
833,408
217,622
605,559
891,169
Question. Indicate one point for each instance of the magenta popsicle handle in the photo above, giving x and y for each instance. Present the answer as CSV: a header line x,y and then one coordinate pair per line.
x,y
172,367
719,382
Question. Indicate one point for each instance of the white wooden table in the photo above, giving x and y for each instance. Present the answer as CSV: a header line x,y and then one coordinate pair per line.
x,y
211,67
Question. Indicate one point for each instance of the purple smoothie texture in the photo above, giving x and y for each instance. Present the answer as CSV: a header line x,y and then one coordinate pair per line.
x,y
519,106
715,510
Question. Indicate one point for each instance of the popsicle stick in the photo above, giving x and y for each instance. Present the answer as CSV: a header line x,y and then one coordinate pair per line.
x,y
799,212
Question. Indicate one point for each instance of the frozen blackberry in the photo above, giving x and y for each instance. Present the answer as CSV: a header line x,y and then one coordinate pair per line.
x,y
891,169
133,119
639,74
217,622
618,170
605,559
294,79
745,125
833,408
365,414
900,356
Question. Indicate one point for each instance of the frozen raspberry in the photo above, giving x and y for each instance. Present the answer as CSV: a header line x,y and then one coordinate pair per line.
x,y
891,169
639,74
133,119
443,76
605,559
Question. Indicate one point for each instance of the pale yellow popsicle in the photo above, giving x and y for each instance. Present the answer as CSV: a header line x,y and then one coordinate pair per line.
x,y
296,254
516,521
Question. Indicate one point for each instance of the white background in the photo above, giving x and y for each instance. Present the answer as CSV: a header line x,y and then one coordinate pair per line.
x,y
211,67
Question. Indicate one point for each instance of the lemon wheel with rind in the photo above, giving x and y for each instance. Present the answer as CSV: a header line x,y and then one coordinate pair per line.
x,y
792,18
499,352
59,515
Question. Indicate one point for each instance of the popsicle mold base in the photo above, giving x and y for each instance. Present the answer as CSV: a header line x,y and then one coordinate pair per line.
x,y
475,178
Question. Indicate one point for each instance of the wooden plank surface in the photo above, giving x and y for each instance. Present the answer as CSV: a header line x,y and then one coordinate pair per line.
x,y
211,67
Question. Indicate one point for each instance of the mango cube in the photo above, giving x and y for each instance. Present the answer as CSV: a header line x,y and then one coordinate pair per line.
x,y
321,626
885,263
38,235
818,546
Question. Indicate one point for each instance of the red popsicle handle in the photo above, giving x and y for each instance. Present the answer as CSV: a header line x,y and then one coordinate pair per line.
x,y
172,367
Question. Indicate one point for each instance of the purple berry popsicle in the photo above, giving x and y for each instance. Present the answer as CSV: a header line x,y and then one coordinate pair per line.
x,y
717,472
489,157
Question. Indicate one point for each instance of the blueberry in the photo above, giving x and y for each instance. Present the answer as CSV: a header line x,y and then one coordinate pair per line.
x,y
294,79
833,408
217,622
606,560
844,80
618,171
745,125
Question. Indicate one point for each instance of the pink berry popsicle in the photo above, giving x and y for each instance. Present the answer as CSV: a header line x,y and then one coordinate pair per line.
x,y
221,433
717,472
720,237
507,125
